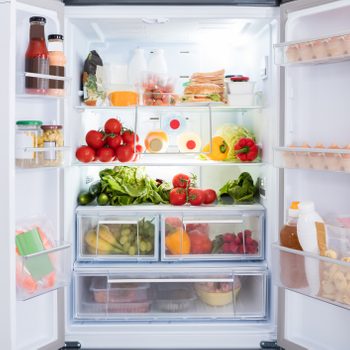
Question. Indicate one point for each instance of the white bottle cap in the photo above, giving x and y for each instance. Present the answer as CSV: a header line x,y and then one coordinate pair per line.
x,y
293,213
306,207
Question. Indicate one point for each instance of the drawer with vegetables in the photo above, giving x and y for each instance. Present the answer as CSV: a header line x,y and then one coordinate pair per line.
x,y
117,236
167,295
230,236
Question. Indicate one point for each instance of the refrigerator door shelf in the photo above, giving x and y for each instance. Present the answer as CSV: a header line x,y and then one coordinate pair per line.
x,y
42,272
198,237
186,296
320,277
329,49
118,236
312,158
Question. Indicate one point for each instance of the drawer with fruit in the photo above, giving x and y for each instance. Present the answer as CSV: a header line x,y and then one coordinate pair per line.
x,y
224,237
117,237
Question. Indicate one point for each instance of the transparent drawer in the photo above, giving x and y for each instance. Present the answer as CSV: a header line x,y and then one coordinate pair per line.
x,y
43,271
317,50
234,236
312,158
323,277
167,295
122,236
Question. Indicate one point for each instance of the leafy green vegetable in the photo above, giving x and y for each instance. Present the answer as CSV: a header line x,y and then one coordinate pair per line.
x,y
241,190
215,97
131,185
232,134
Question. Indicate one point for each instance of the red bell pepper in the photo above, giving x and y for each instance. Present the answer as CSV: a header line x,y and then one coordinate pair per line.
x,y
246,150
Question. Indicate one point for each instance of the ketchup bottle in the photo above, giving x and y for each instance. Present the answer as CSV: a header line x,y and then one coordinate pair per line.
x,y
36,58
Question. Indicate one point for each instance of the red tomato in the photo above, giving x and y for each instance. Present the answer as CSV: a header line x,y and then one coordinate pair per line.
x,y
113,126
139,149
209,196
95,139
181,180
125,153
178,196
129,137
195,196
114,141
85,154
105,154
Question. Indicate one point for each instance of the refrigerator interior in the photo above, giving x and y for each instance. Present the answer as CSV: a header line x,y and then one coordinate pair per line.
x,y
250,33
316,112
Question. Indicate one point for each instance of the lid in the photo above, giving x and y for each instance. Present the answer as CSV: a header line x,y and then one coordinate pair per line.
x,y
51,127
239,78
306,207
55,36
293,210
37,19
29,122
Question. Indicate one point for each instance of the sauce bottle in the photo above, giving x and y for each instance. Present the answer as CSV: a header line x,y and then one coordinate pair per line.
x,y
57,61
292,272
36,57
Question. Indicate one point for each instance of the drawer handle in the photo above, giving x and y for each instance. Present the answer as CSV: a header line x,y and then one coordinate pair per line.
x,y
167,280
212,222
120,222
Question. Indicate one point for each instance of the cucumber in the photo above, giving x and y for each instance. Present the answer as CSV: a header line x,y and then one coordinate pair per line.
x,y
95,188
85,198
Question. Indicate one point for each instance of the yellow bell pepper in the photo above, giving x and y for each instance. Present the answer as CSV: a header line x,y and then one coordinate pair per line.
x,y
219,149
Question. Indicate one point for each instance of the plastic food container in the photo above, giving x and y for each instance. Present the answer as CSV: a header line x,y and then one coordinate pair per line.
x,y
128,308
52,137
174,298
159,99
240,100
27,135
240,87
123,98
103,292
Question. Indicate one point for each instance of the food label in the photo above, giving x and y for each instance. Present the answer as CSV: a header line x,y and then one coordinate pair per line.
x,y
50,154
24,140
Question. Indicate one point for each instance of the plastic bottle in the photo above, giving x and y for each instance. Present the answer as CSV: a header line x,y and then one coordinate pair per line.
x,y
36,57
157,63
310,242
306,227
57,61
292,273
137,67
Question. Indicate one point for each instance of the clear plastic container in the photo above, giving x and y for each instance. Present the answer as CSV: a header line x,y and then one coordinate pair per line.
x,y
174,297
105,292
52,137
28,133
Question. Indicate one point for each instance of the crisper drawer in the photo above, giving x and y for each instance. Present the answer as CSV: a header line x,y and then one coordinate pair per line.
x,y
122,236
165,296
231,236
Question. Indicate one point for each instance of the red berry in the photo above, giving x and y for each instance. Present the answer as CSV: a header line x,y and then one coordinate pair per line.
x,y
238,241
226,248
248,240
233,247
247,233
241,249
229,237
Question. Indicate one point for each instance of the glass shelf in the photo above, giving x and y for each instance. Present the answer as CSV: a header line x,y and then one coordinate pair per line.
x,y
312,158
329,49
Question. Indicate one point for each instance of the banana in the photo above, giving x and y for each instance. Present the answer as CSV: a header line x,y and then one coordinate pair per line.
x,y
101,246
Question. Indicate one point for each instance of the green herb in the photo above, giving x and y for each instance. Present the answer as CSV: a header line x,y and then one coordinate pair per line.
x,y
241,190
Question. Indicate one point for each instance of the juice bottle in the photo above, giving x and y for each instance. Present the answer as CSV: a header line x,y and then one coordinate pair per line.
x,y
292,272
36,58
57,61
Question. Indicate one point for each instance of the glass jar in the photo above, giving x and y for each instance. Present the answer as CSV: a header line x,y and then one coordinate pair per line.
x,y
52,137
27,135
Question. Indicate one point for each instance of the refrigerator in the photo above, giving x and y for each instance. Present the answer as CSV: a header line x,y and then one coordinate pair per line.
x,y
303,98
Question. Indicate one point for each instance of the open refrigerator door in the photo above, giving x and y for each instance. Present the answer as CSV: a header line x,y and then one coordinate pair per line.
x,y
35,253
314,56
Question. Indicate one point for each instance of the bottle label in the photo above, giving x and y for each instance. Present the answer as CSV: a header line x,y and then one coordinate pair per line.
x,y
23,140
57,71
51,153
37,65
